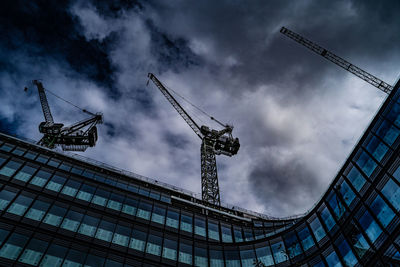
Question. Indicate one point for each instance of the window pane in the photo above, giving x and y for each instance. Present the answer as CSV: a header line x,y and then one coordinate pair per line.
x,y
154,245
347,193
278,250
3,235
138,240
248,258
172,219
213,232
144,210
54,256
366,163
232,258
25,173
94,261
130,206
55,215
158,215
19,151
38,210
199,226
216,258
10,168
13,247
347,255
382,211
169,249
56,183
115,202
238,234
121,236
327,219
226,233
292,245
86,192
317,229
337,205
392,192
74,258
376,148
105,231
100,198
388,132
71,188
5,198
370,227
185,253
264,255
88,226
306,238
6,147
333,260
33,252
72,220
200,257
186,223
20,205
248,234
40,178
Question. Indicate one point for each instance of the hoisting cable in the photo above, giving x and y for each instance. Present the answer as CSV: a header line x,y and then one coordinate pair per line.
x,y
196,107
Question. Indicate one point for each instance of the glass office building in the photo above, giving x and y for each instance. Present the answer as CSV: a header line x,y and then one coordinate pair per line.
x,y
63,210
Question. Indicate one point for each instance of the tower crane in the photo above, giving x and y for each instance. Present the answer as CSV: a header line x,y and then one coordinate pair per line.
x,y
76,137
378,83
214,142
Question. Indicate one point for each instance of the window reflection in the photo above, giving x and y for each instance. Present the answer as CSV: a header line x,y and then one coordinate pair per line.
x,y
186,223
382,211
306,238
316,226
199,226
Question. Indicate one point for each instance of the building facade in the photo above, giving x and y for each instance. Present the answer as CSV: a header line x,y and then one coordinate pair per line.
x,y
60,210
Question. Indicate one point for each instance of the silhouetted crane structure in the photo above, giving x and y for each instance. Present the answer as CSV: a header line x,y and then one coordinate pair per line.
x,y
76,137
371,79
214,142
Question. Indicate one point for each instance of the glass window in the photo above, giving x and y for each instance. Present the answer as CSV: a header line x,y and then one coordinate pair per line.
x,y
144,210
111,263
72,221
306,238
115,201
213,231
133,188
154,195
170,249
76,170
264,255
88,174
292,245
248,234
358,241
101,196
13,247
232,258
40,178
382,211
2,159
30,155
54,163
94,261
3,235
74,258
5,198
248,258
144,192
130,206
376,148
86,192
19,151
333,260
327,219
55,215
356,178
20,205
105,230
392,192
121,235
172,219
71,188
56,183
186,223
154,245
370,227
185,253
347,255
100,178
6,147
347,193
216,258
238,234
200,226
226,233
10,168
200,257
88,226
316,227
33,252
42,159
38,210
54,256
278,250
388,132
25,173
66,167
337,205
158,215
138,240
366,163
259,233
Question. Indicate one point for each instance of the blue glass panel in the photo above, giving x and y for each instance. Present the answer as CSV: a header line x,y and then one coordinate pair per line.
x,y
158,215
172,219
13,247
347,193
366,163
5,198
186,223
264,255
382,211
185,253
327,219
33,252
388,132
392,193
72,221
10,168
38,210
232,258
20,205
248,258
88,226
200,226
396,174
121,235
356,178
200,257
306,238
347,255
316,227
370,227
393,112
94,261
40,179
25,173
105,231
213,231
55,215
138,240
359,243
336,205
56,183
238,234
216,258
226,234
248,234
292,245
54,256
333,260
279,252
154,245
74,258
377,148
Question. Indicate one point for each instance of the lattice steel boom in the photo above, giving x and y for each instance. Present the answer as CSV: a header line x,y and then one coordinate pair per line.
x,y
378,83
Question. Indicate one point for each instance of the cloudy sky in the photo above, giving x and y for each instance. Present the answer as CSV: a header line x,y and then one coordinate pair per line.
x,y
297,115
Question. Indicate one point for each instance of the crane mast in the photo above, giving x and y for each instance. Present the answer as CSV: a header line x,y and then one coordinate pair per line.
x,y
371,79
213,143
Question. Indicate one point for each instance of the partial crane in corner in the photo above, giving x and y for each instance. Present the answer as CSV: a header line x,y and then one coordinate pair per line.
x,y
76,137
369,78
214,142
